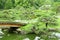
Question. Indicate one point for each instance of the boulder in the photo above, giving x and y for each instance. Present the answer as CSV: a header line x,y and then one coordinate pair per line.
x,y
21,31
37,38
1,33
26,39
56,34
52,30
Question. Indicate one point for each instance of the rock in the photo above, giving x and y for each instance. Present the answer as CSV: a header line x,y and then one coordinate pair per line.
x,y
44,7
52,29
21,31
1,36
41,39
52,36
8,35
18,29
56,34
58,39
37,38
1,33
26,39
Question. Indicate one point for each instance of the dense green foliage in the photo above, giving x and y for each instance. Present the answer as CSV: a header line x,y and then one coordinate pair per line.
x,y
44,11
16,8
38,14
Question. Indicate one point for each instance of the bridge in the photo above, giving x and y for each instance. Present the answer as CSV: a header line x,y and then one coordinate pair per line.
x,y
10,24
16,23
13,25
